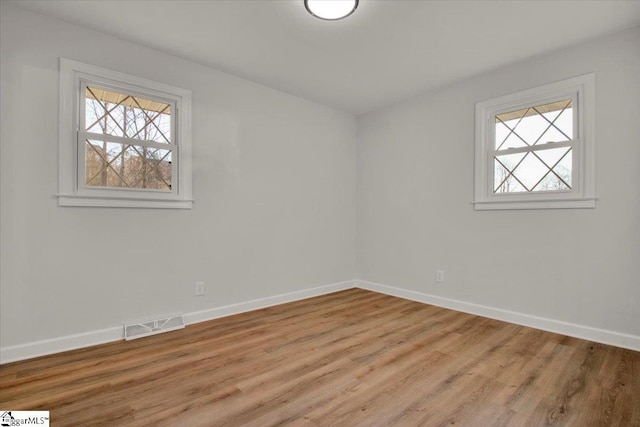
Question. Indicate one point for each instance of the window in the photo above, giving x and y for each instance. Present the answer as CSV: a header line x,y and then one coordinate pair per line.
x,y
124,140
535,149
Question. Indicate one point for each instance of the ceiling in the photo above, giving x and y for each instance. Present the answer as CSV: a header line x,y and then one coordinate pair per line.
x,y
386,51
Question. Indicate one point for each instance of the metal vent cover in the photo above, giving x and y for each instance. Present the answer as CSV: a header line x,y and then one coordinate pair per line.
x,y
153,327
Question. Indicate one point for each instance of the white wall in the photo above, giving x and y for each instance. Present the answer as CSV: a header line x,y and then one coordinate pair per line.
x,y
274,189
415,185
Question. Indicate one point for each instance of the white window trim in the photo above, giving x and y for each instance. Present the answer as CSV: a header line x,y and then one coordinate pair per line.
x,y
582,90
71,190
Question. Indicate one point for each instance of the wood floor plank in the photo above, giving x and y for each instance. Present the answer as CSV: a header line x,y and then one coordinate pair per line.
x,y
349,358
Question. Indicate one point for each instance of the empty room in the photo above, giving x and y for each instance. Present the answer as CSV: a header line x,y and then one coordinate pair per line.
x,y
319,213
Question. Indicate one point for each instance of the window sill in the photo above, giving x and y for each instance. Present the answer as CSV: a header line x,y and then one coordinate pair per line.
x,y
112,202
583,203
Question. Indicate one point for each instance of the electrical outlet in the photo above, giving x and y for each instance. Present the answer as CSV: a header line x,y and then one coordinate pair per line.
x,y
199,289
439,276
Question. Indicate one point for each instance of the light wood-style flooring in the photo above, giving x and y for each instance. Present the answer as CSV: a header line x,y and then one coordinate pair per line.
x,y
350,358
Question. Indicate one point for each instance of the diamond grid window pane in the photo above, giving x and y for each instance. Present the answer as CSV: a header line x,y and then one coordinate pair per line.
x,y
103,160
541,124
564,122
533,171
504,180
510,139
551,135
559,174
110,164
530,171
113,113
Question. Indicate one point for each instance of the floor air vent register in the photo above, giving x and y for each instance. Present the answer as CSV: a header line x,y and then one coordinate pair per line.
x,y
152,327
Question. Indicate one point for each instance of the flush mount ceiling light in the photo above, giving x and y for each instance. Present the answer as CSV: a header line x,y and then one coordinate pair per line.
x,y
331,10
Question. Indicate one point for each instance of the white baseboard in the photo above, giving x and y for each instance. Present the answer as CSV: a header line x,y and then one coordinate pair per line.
x,y
603,336
87,339
56,345
256,304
